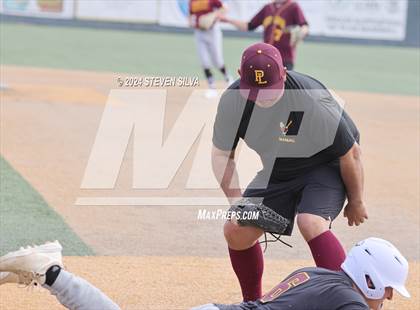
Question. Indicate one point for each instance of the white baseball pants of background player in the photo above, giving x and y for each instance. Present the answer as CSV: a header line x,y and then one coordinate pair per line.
x,y
210,52
210,47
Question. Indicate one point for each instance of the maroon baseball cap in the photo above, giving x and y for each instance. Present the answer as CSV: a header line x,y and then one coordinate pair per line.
x,y
262,69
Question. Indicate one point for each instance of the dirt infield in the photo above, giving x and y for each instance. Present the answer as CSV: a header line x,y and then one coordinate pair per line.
x,y
49,119
169,282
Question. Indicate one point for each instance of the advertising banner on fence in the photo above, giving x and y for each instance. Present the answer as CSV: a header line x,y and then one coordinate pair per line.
x,y
175,12
38,8
118,10
361,19
358,19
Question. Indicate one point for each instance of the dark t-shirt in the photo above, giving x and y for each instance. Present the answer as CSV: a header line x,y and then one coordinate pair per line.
x,y
275,17
309,289
306,128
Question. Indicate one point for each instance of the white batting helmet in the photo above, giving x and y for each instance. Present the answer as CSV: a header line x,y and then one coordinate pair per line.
x,y
379,260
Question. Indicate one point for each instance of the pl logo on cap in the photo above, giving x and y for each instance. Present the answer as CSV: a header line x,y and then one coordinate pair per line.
x,y
259,74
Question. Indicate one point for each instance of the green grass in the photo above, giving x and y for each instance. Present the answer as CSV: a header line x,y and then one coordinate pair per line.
x,y
381,69
392,70
25,217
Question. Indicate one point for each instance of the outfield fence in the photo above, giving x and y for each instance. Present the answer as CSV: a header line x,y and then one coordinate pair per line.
x,y
393,22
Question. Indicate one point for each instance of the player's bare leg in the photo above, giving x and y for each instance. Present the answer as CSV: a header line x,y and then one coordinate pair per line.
x,y
311,225
241,237
326,250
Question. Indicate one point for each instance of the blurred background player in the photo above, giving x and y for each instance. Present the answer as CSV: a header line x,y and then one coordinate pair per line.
x,y
284,27
370,273
208,38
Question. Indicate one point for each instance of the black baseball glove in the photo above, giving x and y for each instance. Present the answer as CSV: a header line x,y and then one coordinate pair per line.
x,y
249,213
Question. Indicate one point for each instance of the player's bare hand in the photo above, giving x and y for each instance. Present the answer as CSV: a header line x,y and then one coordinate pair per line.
x,y
355,212
223,18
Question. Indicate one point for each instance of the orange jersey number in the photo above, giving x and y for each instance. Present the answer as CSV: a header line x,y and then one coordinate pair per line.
x,y
198,6
286,285
278,24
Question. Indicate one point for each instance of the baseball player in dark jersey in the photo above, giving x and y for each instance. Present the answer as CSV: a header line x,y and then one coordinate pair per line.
x,y
370,273
309,148
284,27
209,41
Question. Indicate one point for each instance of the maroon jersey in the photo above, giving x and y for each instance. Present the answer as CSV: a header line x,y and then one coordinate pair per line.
x,y
275,17
201,7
